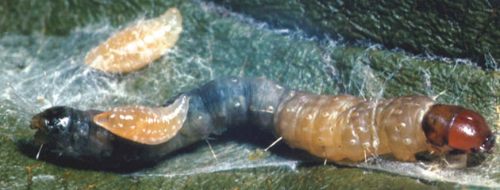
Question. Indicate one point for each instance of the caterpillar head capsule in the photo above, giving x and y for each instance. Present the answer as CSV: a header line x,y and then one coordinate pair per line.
x,y
71,132
453,129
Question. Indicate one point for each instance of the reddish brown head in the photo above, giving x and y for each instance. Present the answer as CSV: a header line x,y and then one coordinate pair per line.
x,y
457,130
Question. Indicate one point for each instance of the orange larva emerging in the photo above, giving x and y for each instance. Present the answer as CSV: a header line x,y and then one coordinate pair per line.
x,y
138,45
146,125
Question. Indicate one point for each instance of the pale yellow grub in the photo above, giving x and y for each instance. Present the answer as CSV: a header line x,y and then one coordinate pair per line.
x,y
138,45
146,125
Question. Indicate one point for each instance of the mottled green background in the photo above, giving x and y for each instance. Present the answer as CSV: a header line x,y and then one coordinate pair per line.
x,y
55,36
450,28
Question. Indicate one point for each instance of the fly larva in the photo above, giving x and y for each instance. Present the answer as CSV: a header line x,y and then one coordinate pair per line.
x,y
331,127
138,45
146,125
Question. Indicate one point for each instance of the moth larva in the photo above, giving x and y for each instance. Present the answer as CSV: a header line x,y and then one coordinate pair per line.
x,y
333,127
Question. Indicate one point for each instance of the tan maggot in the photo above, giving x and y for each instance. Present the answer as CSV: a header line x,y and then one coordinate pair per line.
x,y
138,45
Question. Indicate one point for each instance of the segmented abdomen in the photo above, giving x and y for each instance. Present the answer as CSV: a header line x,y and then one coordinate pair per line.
x,y
331,127
343,126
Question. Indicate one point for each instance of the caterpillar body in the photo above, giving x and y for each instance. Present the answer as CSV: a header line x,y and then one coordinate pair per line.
x,y
333,127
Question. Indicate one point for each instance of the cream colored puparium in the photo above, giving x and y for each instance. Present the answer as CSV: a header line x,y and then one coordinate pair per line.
x,y
343,126
138,45
146,125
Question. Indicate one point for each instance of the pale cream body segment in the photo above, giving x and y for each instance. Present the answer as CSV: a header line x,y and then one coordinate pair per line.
x,y
343,126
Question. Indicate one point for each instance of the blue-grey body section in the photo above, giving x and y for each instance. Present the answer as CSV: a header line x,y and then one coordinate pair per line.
x,y
227,102
235,101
